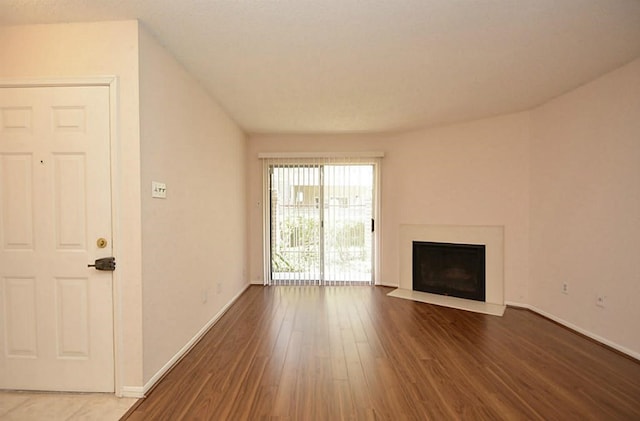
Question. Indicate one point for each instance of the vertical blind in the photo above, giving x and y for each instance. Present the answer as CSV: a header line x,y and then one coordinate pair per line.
x,y
318,219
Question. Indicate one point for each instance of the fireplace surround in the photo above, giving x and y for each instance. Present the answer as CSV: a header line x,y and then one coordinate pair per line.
x,y
492,237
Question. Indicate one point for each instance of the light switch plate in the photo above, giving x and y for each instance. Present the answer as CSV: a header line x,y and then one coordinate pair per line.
x,y
158,190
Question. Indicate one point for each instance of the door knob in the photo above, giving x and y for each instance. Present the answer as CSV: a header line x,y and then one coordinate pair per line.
x,y
106,263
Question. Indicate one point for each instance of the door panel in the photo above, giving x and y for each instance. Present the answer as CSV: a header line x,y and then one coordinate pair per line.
x,y
295,224
57,314
17,201
70,197
72,311
20,317
348,213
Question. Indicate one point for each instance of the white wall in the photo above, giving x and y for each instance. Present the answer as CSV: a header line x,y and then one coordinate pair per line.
x,y
585,207
475,173
194,241
89,50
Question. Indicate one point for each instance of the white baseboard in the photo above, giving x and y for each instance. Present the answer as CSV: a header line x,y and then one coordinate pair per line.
x,y
154,379
617,347
518,305
384,284
131,392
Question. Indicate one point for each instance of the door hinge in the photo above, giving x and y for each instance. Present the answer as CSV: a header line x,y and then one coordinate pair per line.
x,y
373,225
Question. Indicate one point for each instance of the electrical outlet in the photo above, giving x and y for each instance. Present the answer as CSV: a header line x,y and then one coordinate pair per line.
x,y
565,288
600,299
219,287
205,295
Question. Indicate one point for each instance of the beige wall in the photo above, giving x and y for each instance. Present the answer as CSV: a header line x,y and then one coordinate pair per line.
x,y
170,252
89,50
194,241
468,174
585,207
563,179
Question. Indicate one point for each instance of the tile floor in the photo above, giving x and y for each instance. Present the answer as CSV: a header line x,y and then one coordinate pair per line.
x,y
30,406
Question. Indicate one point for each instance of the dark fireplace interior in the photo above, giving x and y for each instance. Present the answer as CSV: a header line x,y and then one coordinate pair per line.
x,y
457,270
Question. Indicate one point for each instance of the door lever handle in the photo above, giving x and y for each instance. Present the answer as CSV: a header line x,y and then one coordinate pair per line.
x,y
106,263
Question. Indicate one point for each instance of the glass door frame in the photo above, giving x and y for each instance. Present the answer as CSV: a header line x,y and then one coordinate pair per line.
x,y
374,161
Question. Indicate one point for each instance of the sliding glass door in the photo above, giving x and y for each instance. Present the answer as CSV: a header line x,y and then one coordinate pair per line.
x,y
348,223
321,223
295,221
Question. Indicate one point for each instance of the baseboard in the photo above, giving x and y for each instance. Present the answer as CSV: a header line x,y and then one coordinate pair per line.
x,y
192,342
383,284
131,392
517,305
597,338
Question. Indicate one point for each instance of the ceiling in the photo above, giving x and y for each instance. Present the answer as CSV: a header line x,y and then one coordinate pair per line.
x,y
335,66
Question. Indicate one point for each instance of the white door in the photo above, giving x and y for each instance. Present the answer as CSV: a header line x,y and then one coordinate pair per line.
x,y
56,326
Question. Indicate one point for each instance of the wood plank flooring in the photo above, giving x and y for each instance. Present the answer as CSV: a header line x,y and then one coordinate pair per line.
x,y
352,353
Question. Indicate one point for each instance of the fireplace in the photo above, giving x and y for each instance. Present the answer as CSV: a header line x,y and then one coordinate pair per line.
x,y
491,237
456,270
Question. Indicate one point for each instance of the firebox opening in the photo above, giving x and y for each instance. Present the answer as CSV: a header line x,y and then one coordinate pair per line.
x,y
457,270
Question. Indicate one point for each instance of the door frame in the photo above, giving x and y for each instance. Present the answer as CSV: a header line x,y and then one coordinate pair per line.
x,y
114,146
376,161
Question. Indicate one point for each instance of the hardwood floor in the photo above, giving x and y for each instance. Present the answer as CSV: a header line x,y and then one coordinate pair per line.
x,y
331,353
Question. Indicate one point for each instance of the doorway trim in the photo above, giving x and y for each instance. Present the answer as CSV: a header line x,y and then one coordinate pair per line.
x,y
114,144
